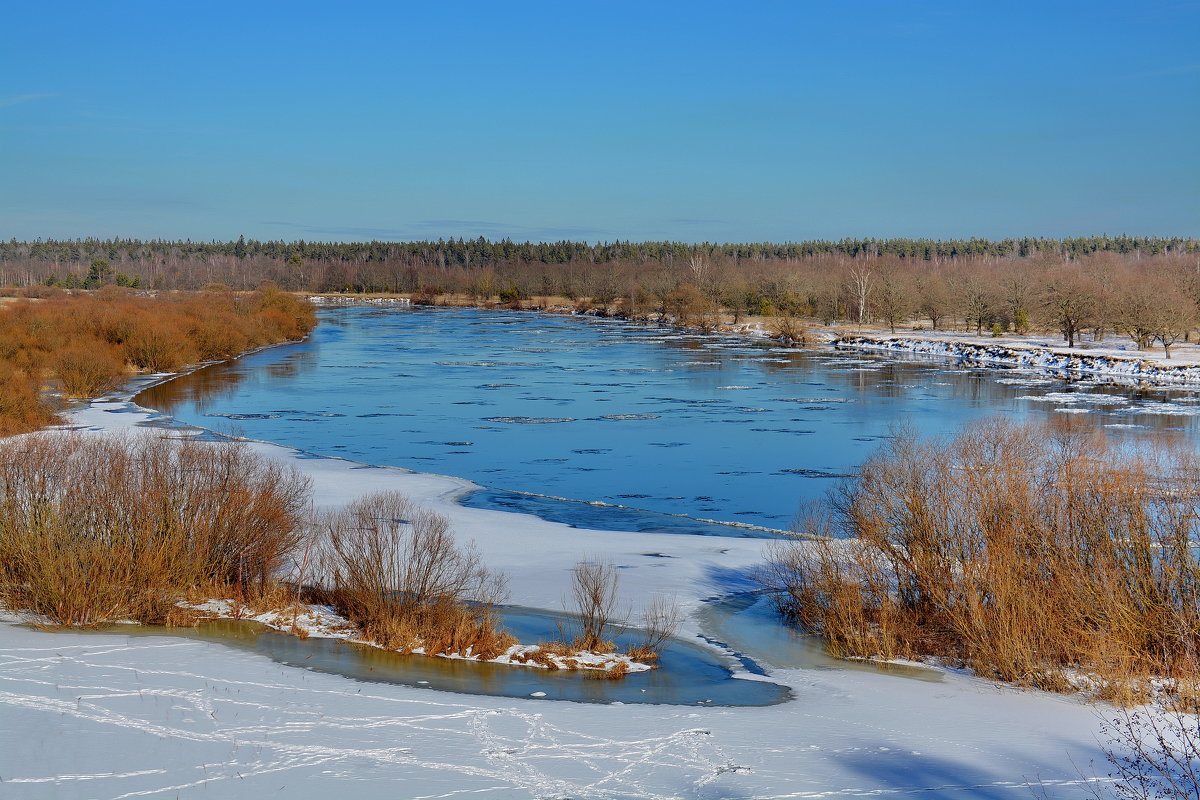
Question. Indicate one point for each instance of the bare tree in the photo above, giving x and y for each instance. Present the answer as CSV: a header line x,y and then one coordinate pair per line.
x,y
860,289
934,300
1017,289
699,267
1070,300
594,589
978,303
893,301
1174,315
1138,304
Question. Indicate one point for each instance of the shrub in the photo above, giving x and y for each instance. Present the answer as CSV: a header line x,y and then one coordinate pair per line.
x,y
397,572
594,589
87,371
85,341
21,409
1018,550
93,529
660,622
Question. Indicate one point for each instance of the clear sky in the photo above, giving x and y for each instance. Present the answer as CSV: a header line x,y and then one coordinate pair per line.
x,y
694,121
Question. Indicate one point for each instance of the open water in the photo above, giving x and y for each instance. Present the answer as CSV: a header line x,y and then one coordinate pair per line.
x,y
614,425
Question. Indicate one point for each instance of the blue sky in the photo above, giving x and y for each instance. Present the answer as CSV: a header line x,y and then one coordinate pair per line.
x,y
695,121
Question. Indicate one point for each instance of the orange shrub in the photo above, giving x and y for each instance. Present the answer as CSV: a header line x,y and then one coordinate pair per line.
x,y
87,371
85,341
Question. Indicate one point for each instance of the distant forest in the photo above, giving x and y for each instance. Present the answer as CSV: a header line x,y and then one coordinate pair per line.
x,y
1139,286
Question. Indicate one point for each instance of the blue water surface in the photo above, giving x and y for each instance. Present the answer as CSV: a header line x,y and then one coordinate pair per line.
x,y
644,427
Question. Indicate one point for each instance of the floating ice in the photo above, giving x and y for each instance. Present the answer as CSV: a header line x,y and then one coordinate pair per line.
x,y
486,364
246,416
1077,397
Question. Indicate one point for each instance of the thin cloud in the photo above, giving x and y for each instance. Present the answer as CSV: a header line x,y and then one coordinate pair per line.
x,y
17,99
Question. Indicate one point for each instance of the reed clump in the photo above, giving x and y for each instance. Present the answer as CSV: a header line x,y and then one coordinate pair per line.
x,y
94,529
1043,555
396,571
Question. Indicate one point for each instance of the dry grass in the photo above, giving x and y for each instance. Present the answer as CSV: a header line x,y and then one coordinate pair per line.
x,y
660,622
1024,552
98,529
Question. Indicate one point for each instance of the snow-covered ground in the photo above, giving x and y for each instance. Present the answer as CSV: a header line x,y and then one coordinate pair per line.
x,y
1117,360
111,716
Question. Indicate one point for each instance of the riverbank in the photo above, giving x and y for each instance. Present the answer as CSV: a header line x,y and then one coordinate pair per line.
x,y
1101,362
1112,361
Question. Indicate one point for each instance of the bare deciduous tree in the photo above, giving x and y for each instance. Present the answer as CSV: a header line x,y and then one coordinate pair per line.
x,y
893,301
594,589
1070,302
860,281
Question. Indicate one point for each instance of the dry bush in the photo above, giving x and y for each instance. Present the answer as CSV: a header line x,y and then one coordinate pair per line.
x,y
397,572
41,292
21,409
660,622
157,345
85,341
594,590
93,529
615,672
1019,550
1154,753
87,371
790,330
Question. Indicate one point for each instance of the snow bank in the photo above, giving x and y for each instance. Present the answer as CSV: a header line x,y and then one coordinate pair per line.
x,y
1133,369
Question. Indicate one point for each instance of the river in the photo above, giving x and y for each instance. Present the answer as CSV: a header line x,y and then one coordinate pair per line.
x,y
642,427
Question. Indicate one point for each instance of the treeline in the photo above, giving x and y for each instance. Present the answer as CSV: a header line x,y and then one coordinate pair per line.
x,y
85,344
482,251
1145,288
573,269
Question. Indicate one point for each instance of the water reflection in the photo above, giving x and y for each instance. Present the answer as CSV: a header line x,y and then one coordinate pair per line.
x,y
216,383
750,625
